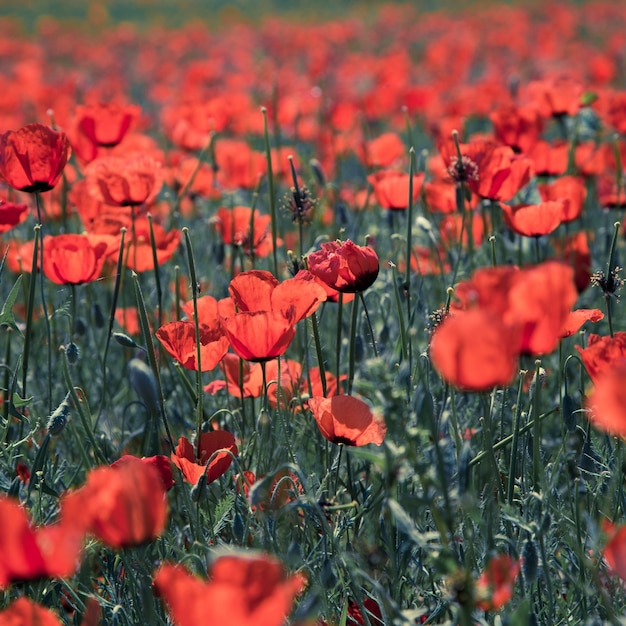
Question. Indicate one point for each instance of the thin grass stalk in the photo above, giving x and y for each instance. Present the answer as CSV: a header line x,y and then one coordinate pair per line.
x,y
281,414
352,354
116,292
403,334
610,278
196,321
85,419
147,337
29,309
409,225
510,492
509,438
43,301
537,473
157,276
270,182
338,342
369,323
318,351
177,291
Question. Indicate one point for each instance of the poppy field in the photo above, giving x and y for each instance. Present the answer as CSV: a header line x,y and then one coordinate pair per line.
x,y
314,322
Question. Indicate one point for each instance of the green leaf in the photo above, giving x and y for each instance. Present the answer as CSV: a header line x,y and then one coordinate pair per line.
x,y
6,314
222,512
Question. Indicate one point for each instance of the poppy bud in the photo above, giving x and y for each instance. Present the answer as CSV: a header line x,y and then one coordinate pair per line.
x,y
58,418
318,171
72,353
98,316
144,384
530,561
124,340
196,490
80,328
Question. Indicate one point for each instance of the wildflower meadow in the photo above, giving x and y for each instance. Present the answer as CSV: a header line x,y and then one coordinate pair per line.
x,y
312,320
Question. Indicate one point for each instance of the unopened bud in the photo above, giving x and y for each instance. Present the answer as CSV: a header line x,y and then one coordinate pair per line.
x,y
72,353
124,340
58,418
143,382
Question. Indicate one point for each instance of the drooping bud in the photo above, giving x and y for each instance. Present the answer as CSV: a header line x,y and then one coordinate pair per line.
x,y
58,418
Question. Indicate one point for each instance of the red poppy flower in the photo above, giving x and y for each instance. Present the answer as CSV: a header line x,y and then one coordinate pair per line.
x,y
25,612
615,551
556,96
73,259
209,463
197,177
517,127
138,256
128,319
239,167
124,181
22,471
383,151
391,188
258,290
491,171
495,585
244,590
374,614
251,385
571,191
33,157
179,339
574,250
602,354
106,124
12,215
607,402
122,506
533,304
238,227
474,350
451,227
347,420
260,335
549,159
159,462
28,553
344,266
534,220
577,318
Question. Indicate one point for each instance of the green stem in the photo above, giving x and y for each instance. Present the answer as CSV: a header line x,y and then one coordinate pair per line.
x,y
352,355
43,301
84,418
515,439
29,309
157,276
369,324
116,292
320,357
339,333
270,182
147,337
196,321
537,467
